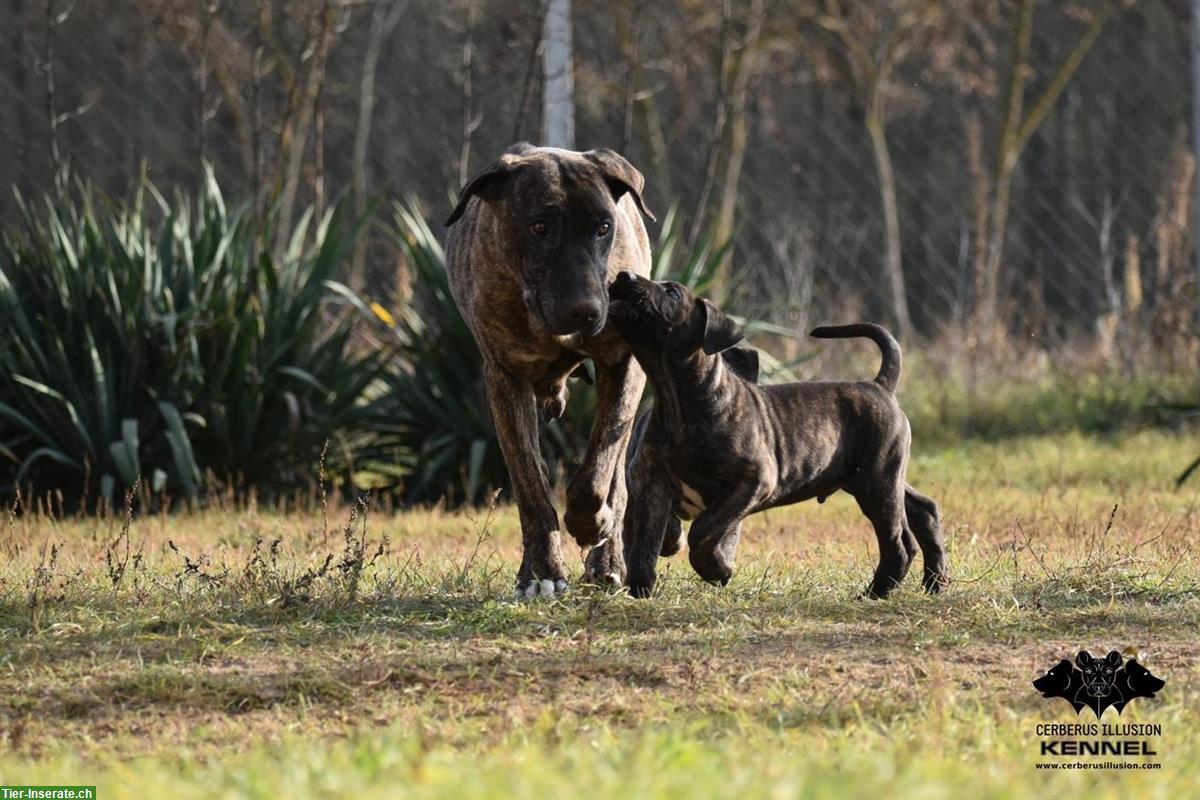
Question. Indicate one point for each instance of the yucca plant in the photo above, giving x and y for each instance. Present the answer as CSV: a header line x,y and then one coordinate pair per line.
x,y
159,340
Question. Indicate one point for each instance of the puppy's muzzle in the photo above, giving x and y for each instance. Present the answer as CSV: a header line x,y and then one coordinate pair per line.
x,y
624,287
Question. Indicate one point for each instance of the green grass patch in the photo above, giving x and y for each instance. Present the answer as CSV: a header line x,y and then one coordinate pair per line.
x,y
244,653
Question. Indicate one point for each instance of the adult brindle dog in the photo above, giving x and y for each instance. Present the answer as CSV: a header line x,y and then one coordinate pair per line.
x,y
534,242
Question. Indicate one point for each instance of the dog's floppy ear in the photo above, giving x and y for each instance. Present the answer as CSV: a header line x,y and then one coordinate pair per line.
x,y
621,177
720,332
489,180
743,362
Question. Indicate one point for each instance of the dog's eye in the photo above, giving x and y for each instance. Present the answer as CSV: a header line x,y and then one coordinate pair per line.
x,y
538,228
603,229
673,292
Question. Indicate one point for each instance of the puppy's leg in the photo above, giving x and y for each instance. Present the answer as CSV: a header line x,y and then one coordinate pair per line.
x,y
909,540
595,489
882,500
925,521
673,538
647,519
713,538
514,414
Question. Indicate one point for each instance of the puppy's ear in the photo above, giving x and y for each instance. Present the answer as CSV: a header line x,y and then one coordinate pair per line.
x,y
1114,659
489,182
1084,658
720,332
621,177
743,362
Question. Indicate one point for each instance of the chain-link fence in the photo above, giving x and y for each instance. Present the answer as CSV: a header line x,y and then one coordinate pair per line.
x,y
872,159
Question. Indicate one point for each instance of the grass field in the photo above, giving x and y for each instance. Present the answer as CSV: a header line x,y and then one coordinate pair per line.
x,y
241,653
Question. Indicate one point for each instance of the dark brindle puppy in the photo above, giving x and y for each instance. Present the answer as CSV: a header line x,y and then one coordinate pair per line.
x,y
719,447
536,239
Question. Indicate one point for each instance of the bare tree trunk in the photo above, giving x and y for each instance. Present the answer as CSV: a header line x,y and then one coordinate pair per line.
x,y
535,53
20,78
208,10
1016,129
735,146
716,142
469,121
892,265
256,121
384,18
304,114
870,68
640,108
57,168
628,30
319,128
558,93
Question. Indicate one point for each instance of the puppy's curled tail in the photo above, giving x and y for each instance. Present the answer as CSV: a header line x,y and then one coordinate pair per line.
x,y
889,370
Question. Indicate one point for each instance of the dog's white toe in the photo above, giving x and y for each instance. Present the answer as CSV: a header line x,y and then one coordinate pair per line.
x,y
541,588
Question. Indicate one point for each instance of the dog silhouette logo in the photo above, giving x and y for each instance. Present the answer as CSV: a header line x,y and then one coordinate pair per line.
x,y
1098,683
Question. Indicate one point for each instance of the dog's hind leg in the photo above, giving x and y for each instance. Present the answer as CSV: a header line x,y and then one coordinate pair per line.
x,y
884,506
924,520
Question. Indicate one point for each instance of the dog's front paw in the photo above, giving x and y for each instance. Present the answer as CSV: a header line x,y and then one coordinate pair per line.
x,y
542,588
542,573
590,528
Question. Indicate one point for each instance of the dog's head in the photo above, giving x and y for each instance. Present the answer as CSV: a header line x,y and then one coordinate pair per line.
x,y
665,319
556,213
1140,681
1099,674
1056,680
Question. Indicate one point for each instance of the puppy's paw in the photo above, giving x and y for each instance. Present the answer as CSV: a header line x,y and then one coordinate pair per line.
x,y
590,529
711,565
935,581
878,590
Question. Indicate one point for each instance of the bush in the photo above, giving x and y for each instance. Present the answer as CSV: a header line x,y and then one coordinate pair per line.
x,y
163,341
